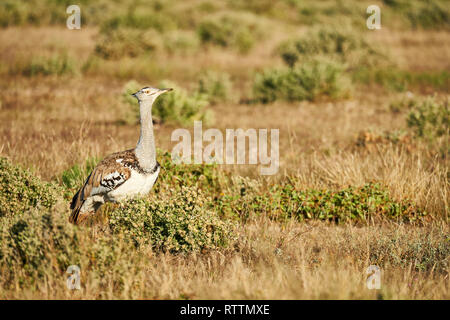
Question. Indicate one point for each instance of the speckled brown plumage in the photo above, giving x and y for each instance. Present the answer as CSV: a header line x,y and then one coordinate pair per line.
x,y
108,175
125,174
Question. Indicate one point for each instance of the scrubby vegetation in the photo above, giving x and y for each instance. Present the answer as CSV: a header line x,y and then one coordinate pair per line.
x,y
73,178
430,119
310,81
364,143
431,14
216,86
182,218
238,32
43,245
398,80
152,19
181,106
368,202
178,222
57,65
346,46
120,43
243,198
32,242
176,107
21,191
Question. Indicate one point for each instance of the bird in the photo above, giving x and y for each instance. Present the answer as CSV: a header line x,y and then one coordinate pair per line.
x,y
122,175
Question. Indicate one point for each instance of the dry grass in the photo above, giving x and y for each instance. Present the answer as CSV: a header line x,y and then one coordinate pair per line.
x,y
50,123
273,261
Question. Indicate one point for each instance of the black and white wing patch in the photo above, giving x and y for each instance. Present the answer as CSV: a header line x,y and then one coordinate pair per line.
x,y
107,176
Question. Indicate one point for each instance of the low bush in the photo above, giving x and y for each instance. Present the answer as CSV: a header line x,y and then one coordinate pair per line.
x,y
430,119
181,107
73,178
118,43
175,107
178,223
151,20
430,14
401,80
35,242
283,201
55,65
205,177
405,102
240,32
21,191
32,12
180,42
216,86
41,243
309,81
345,46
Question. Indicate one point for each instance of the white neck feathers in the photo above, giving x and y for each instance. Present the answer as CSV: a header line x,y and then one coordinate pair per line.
x,y
145,149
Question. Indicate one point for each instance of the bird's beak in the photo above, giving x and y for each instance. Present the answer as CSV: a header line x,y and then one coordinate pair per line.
x,y
166,90
134,94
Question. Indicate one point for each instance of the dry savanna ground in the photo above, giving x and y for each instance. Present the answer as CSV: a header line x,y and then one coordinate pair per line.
x,y
364,149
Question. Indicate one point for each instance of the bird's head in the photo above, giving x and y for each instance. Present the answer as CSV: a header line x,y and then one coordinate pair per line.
x,y
149,93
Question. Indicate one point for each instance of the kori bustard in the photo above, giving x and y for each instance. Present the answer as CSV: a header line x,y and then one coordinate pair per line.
x,y
123,174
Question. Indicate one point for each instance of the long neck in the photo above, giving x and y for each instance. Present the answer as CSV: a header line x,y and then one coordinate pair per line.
x,y
145,149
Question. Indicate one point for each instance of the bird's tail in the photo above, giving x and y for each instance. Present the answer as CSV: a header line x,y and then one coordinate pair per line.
x,y
75,206
75,215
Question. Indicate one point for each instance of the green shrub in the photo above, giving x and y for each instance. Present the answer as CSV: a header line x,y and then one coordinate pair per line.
x,y
216,86
181,107
298,11
401,80
73,178
93,13
306,82
370,200
257,6
20,190
56,65
180,42
40,243
118,43
152,20
283,201
430,14
205,177
36,240
240,32
339,44
178,223
327,12
430,119
33,12
175,107
243,198
434,15
406,102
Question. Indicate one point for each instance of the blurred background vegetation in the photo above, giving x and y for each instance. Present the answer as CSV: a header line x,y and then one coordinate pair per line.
x,y
364,141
